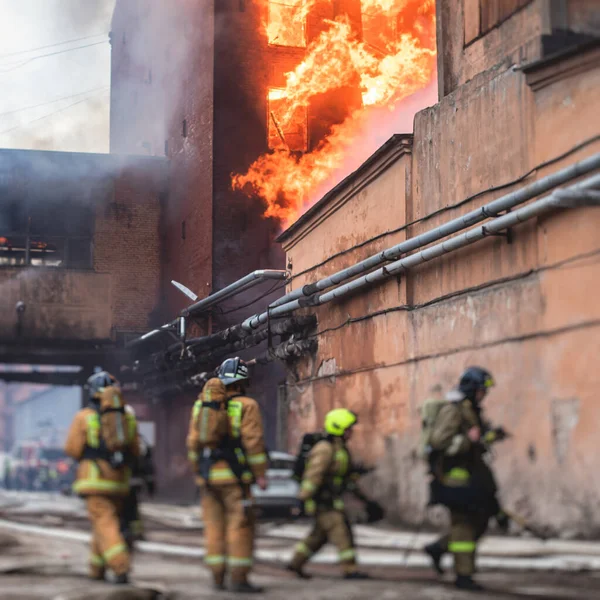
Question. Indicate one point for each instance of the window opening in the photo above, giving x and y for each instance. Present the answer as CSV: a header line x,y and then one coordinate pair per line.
x,y
286,24
286,130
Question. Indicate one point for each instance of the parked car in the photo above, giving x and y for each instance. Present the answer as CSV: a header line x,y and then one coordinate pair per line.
x,y
282,489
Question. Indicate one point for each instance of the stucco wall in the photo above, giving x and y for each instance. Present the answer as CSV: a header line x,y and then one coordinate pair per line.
x,y
525,309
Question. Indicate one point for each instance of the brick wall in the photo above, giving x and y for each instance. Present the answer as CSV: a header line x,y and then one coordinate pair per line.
x,y
127,244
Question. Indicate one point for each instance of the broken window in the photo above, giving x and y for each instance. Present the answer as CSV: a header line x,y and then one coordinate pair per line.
x,y
287,23
46,233
286,129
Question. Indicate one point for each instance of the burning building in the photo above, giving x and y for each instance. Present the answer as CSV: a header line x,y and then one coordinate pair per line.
x,y
258,106
409,290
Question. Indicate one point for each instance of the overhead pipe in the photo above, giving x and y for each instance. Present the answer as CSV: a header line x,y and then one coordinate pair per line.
x,y
578,194
167,328
492,209
238,286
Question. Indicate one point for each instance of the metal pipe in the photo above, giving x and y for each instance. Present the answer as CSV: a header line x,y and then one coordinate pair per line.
x,y
475,216
238,286
558,198
167,328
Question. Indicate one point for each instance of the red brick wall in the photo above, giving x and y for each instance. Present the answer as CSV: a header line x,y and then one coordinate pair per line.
x,y
127,244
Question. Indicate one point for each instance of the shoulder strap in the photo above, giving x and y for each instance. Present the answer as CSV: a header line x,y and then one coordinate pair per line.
x,y
111,409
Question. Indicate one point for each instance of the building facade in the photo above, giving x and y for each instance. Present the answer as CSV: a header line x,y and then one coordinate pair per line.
x,y
518,85
79,256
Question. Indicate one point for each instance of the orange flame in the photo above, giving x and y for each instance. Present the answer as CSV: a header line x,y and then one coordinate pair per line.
x,y
394,59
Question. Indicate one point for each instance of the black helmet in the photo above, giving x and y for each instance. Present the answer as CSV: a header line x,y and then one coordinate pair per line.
x,y
473,379
233,370
98,381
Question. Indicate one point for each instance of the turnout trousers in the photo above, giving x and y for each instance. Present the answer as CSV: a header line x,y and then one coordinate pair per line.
x,y
465,531
229,531
330,526
108,548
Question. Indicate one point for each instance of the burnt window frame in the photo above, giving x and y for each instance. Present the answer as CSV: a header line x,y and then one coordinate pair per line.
x,y
66,241
271,123
304,24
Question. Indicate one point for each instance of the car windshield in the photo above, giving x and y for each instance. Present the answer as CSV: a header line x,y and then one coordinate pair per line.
x,y
279,463
53,453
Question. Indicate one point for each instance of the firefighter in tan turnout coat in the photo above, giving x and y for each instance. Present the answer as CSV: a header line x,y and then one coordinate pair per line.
x,y
226,446
104,438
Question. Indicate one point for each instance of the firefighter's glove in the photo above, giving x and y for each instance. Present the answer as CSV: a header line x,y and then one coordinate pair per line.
x,y
375,512
503,521
495,435
297,508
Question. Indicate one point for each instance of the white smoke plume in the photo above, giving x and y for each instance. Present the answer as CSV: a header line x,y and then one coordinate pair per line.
x,y
55,74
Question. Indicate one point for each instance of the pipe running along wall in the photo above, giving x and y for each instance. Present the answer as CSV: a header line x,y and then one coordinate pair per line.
x,y
562,197
475,216
241,285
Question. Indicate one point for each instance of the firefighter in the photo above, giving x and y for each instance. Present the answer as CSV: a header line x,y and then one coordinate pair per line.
x,y
225,475
103,471
326,476
142,476
463,480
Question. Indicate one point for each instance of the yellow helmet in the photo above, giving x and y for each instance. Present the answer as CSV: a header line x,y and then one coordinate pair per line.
x,y
339,420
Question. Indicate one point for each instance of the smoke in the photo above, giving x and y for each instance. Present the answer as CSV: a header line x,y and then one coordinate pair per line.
x,y
163,75
55,74
375,128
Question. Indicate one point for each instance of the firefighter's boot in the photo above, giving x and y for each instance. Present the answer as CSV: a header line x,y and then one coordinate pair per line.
x,y
435,553
466,582
245,587
297,570
122,579
356,575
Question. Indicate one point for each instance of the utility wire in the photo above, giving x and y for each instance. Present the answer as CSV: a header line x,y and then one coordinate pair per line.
x,y
29,60
477,288
87,37
48,115
12,112
440,211
276,286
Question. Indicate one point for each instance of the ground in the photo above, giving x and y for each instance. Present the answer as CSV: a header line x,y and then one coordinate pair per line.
x,y
44,556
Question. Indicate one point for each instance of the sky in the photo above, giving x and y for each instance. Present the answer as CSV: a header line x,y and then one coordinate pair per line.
x,y
55,74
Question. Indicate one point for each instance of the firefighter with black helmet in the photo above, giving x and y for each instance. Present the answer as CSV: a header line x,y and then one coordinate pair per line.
x,y
103,438
226,446
463,480
325,478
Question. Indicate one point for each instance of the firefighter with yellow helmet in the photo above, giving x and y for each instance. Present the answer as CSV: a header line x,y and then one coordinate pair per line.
x,y
326,475
103,438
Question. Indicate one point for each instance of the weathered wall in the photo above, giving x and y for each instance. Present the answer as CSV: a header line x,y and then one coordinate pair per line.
x,y
170,113
127,243
525,310
121,290
477,35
